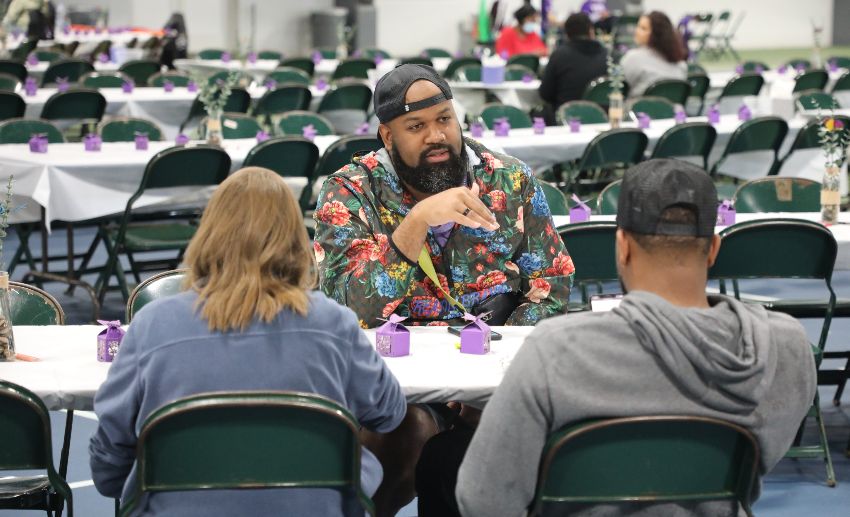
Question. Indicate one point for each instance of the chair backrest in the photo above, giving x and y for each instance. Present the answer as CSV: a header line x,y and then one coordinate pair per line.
x,y
592,248
775,194
347,95
517,72
235,125
289,156
243,79
355,68
674,90
302,63
104,80
614,148
842,83
48,56
30,305
555,199
431,53
293,123
606,202
815,99
699,85
648,459
688,139
8,82
269,55
285,97
516,117
744,84
694,68
24,48
372,53
799,63
160,285
176,78
124,129
655,107
74,104
140,70
808,138
839,61
530,61
210,53
754,66
337,155
20,130
458,62
811,80
70,69
26,432
417,61
12,105
19,70
289,74
758,134
286,439
327,52
587,112
599,89
469,73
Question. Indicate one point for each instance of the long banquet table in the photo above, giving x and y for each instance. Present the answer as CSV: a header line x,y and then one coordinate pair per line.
x,y
67,374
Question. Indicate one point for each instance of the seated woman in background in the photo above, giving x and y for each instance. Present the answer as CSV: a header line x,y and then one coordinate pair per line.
x,y
524,38
249,320
660,54
175,41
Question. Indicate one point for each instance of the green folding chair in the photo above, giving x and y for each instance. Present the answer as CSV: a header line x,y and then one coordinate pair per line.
x,y
458,62
285,97
269,55
775,194
140,70
8,82
754,66
48,56
286,440
289,74
648,459
327,53
656,107
102,47
517,72
609,198
808,138
160,285
815,99
811,80
180,79
85,106
12,105
842,83
587,112
354,68
125,129
209,54
289,156
347,103
14,68
592,248
839,61
431,53
20,54
685,140
293,123
699,88
743,85
238,102
785,249
25,425
70,69
301,63
104,80
758,134
673,90
198,166
372,53
555,199
599,89
468,73
799,63
244,79
694,68
336,156
612,150
417,61
234,126
20,130
517,118
529,61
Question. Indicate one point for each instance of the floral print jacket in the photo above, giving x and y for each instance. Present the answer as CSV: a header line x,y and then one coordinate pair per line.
x,y
359,266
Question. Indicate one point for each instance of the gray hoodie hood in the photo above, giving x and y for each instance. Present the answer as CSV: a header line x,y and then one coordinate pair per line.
x,y
721,356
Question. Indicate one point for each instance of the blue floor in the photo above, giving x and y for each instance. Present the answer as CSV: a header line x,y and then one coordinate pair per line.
x,y
794,488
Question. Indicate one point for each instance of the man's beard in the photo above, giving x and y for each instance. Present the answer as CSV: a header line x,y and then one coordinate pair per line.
x,y
432,178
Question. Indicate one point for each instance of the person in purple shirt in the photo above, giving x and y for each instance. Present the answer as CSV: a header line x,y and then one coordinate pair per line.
x,y
597,11
247,321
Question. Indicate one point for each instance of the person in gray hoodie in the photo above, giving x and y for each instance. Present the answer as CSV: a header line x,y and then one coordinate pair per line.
x,y
667,349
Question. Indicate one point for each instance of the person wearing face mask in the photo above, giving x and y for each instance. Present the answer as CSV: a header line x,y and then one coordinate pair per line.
x,y
524,37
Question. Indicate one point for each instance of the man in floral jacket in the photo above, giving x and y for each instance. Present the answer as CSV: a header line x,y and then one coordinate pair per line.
x,y
481,216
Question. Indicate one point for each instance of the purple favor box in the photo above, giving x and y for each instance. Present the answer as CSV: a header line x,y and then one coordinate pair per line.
x,y
321,84
392,339
141,141
362,129
580,212
62,84
725,214
127,86
252,57
38,143
475,336
714,115
225,57
681,117
181,139
476,130
309,132
643,120
192,86
744,113
262,136
539,125
109,340
92,141
502,127
168,86
492,74
30,86
575,125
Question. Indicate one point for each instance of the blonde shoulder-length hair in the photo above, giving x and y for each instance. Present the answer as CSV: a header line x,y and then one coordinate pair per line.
x,y
251,257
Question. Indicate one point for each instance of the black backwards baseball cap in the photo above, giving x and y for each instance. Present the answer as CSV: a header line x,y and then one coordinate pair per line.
x,y
392,88
652,186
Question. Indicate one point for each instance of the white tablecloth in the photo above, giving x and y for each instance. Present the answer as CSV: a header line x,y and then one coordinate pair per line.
x,y
38,70
840,231
73,184
68,373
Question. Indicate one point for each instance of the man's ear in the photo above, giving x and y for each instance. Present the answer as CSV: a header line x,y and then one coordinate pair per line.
x,y
713,249
624,251
386,135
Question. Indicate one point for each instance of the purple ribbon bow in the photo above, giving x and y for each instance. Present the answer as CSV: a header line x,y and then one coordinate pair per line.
x,y
726,204
309,132
479,319
114,328
394,320
580,203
